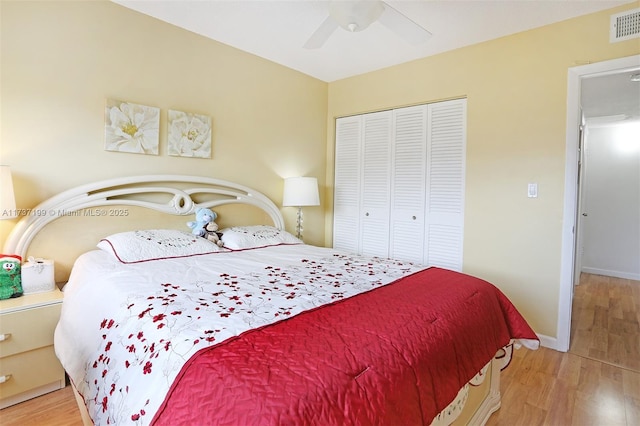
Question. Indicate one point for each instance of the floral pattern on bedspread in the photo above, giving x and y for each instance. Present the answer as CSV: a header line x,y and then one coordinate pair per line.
x,y
145,346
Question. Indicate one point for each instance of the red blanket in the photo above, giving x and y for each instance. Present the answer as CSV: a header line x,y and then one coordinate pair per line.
x,y
395,355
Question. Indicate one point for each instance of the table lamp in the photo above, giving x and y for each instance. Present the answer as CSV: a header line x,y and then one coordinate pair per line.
x,y
300,192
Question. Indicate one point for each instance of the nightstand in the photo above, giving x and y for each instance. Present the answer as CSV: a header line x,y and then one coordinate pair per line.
x,y
28,364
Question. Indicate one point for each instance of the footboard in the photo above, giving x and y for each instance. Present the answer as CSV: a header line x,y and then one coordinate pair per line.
x,y
479,398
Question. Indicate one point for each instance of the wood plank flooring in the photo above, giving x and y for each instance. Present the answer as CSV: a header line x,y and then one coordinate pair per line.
x,y
546,387
542,387
605,320
57,408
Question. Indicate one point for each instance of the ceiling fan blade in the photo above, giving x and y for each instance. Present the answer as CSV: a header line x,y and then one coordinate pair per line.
x,y
403,26
322,34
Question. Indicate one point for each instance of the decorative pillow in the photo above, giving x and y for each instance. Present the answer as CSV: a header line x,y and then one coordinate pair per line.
x,y
155,244
244,237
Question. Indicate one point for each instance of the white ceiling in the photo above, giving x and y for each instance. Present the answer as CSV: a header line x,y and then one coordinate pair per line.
x,y
277,30
611,95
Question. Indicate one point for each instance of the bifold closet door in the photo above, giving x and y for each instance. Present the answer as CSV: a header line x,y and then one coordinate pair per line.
x,y
408,184
346,201
399,183
446,158
362,184
376,183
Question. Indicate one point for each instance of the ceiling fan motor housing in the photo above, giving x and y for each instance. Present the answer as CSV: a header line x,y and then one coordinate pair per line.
x,y
355,16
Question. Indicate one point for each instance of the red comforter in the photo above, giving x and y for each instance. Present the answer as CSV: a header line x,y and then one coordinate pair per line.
x,y
394,355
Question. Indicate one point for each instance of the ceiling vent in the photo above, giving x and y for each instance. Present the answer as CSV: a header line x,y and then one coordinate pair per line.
x,y
625,25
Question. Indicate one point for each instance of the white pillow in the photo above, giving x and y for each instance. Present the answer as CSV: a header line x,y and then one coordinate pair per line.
x,y
244,237
155,244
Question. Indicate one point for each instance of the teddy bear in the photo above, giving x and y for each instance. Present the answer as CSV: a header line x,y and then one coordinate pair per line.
x,y
203,216
10,277
204,226
211,233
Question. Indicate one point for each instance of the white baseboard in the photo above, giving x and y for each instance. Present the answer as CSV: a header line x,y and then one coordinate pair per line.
x,y
548,342
608,273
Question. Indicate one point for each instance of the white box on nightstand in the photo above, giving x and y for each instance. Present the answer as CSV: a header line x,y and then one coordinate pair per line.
x,y
38,276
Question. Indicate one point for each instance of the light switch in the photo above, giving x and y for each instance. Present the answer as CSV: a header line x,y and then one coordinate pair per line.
x,y
532,190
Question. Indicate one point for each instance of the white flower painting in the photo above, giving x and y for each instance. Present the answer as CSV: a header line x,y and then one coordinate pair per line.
x,y
189,135
131,127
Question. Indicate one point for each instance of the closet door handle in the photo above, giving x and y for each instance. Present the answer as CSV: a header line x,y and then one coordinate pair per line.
x,y
413,217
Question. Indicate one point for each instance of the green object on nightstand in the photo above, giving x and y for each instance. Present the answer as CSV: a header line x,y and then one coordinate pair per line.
x,y
10,277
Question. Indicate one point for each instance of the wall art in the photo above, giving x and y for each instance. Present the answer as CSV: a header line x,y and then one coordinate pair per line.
x,y
131,127
189,135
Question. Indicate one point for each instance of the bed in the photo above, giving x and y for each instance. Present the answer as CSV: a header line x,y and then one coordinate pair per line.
x,y
161,327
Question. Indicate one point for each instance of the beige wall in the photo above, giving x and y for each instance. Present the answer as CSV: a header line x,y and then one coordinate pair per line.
x,y
61,60
516,88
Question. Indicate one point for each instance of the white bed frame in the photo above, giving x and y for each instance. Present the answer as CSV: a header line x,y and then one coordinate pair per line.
x,y
177,194
182,195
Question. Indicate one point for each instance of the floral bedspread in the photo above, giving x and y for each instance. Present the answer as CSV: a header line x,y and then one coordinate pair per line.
x,y
162,319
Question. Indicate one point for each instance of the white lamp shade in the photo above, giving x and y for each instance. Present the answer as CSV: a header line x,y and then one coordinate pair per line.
x,y
301,191
7,199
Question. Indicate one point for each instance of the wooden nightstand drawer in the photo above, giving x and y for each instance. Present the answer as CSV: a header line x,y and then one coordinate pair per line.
x,y
30,370
28,329
28,363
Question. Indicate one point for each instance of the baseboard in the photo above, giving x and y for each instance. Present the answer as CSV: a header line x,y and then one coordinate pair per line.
x,y
31,393
548,342
608,273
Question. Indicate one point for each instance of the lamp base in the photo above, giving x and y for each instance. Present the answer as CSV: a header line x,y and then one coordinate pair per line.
x,y
299,224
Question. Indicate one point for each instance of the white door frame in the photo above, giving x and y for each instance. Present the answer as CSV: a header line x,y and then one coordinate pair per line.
x,y
581,203
570,209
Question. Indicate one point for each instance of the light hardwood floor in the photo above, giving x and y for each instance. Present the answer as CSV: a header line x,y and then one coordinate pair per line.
x,y
546,387
53,409
605,321
542,387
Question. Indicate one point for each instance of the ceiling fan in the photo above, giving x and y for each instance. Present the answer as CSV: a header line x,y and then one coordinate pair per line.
x,y
357,15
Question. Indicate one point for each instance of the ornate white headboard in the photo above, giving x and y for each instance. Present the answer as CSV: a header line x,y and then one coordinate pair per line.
x,y
170,194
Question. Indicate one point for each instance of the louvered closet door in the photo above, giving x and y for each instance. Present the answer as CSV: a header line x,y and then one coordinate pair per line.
x,y
408,184
346,228
399,188
446,146
376,176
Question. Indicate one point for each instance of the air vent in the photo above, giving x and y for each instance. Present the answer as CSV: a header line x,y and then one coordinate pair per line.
x,y
625,25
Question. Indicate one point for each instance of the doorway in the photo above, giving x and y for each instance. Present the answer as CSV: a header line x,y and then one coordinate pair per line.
x,y
606,301
575,119
609,205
